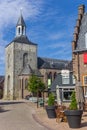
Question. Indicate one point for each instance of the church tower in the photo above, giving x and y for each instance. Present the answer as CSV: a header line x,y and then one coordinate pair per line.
x,y
21,59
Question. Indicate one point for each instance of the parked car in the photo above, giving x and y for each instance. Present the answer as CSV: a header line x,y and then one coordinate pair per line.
x,y
33,99
28,97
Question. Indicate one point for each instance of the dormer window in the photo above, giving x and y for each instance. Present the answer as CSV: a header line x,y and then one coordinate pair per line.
x,y
86,39
65,77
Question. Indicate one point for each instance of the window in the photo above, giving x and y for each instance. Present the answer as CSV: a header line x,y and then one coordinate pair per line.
x,y
55,74
26,83
66,94
9,60
85,80
65,76
74,80
49,79
25,59
8,86
65,79
85,91
19,30
86,39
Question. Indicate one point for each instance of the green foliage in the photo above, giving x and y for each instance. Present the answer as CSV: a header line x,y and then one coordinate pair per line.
x,y
73,105
51,99
35,84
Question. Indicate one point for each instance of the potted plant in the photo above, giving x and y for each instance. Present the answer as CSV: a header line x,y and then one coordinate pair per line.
x,y
50,108
73,114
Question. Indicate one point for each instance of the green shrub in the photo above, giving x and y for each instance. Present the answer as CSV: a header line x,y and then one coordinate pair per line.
x,y
51,99
73,105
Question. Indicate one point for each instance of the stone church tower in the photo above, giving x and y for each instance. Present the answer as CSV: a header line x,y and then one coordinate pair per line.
x,y
21,59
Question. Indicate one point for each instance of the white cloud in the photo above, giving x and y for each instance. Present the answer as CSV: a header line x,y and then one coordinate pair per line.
x,y
2,51
10,10
9,13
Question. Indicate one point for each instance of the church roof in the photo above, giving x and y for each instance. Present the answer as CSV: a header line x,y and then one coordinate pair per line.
x,y
22,39
27,70
48,63
21,21
37,73
81,46
1,79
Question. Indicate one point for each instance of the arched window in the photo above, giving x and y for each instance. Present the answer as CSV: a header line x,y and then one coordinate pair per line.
x,y
49,79
23,30
8,60
25,59
8,86
26,83
55,74
19,30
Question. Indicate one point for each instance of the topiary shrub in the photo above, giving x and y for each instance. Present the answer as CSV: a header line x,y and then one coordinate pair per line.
x,y
51,99
73,105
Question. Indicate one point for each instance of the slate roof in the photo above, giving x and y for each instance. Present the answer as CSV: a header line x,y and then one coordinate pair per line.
x,y
81,37
21,21
48,63
2,78
37,73
27,70
22,40
58,81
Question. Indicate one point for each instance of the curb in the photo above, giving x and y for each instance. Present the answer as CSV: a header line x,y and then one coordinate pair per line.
x,y
41,123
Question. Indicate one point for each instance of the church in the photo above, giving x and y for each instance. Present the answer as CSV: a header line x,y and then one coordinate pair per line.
x,y
22,61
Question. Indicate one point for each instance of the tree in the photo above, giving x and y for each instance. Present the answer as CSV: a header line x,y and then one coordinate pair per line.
x,y
35,84
73,105
51,99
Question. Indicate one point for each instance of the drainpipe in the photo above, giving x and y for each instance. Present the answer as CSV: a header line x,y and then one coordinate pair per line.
x,y
78,67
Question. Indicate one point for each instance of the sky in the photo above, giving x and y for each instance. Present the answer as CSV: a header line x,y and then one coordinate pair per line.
x,y
49,23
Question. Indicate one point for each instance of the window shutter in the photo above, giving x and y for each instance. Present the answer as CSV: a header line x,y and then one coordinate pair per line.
x,y
85,58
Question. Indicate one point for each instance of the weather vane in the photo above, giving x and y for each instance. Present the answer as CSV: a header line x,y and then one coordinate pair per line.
x,y
21,9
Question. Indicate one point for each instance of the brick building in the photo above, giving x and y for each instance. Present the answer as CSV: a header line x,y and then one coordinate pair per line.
x,y
79,48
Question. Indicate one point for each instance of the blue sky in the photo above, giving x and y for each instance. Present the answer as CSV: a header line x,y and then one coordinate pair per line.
x,y
50,24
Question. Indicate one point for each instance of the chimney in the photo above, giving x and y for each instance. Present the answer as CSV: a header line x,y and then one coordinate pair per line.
x,y
81,9
76,30
78,22
73,45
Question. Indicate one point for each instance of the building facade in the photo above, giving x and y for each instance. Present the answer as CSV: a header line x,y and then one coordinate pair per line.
x,y
20,53
79,48
65,83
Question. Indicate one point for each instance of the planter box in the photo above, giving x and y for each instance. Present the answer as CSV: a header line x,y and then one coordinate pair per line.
x,y
51,111
74,118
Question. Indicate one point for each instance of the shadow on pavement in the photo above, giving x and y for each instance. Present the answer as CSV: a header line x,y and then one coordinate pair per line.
x,y
84,124
2,110
8,103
